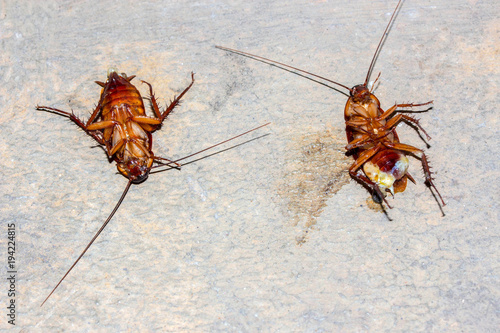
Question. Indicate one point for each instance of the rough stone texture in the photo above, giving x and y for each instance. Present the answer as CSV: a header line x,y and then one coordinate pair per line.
x,y
217,246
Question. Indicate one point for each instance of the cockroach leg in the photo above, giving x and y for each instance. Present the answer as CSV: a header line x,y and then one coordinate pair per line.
x,y
375,190
428,176
152,98
396,119
425,164
393,108
172,105
177,99
73,118
416,122
377,194
96,112
101,125
358,142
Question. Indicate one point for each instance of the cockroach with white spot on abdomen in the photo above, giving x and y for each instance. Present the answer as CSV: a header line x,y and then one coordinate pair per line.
x,y
371,134
120,124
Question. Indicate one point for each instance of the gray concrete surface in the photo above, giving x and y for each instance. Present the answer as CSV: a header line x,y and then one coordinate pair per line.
x,y
272,235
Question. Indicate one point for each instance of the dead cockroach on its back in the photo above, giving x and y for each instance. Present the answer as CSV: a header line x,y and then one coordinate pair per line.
x,y
120,124
371,134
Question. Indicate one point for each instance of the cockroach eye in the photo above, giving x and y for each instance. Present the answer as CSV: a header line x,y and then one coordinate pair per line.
x,y
139,179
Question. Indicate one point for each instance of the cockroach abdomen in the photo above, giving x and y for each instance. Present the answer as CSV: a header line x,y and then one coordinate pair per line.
x,y
386,168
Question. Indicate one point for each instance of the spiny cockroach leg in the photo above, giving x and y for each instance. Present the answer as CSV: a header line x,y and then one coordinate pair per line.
x,y
73,118
425,164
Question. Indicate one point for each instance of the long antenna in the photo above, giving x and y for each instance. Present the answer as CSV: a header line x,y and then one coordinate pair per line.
x,y
281,64
213,146
375,55
93,239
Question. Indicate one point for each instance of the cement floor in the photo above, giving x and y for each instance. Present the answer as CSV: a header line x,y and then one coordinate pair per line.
x,y
271,235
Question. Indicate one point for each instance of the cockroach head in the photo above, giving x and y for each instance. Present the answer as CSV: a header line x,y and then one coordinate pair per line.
x,y
135,169
360,94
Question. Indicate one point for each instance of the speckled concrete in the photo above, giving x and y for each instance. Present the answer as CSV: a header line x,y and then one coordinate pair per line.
x,y
269,236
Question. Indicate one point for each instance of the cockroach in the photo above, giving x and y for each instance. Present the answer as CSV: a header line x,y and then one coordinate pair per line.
x,y
371,133
120,124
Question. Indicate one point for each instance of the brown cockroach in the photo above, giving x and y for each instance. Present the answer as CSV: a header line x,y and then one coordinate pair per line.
x,y
371,134
120,124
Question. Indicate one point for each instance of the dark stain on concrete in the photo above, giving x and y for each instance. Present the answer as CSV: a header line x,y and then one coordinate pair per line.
x,y
316,168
